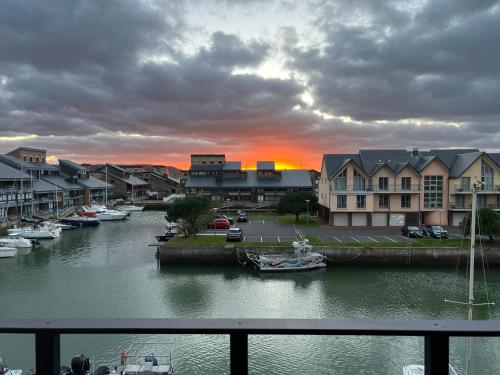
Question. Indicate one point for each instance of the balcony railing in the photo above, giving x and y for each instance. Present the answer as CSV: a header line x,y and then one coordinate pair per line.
x,y
485,189
377,189
468,206
436,344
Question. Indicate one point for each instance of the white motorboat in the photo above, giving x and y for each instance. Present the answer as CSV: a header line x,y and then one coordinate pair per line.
x,y
131,207
7,252
45,230
420,370
149,364
16,241
303,259
4,370
106,214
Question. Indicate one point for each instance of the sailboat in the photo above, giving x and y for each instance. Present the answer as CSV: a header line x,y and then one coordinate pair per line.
x,y
418,369
131,206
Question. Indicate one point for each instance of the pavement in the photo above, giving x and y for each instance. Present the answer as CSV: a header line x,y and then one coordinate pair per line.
x,y
273,231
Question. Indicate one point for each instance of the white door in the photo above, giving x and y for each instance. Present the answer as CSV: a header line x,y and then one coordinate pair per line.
x,y
341,219
396,220
379,220
359,220
458,217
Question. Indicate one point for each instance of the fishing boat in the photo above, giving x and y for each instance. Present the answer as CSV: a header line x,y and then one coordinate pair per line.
x,y
16,241
419,369
7,252
82,219
303,259
149,364
105,214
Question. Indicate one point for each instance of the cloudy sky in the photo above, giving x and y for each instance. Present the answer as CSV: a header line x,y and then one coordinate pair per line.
x,y
153,81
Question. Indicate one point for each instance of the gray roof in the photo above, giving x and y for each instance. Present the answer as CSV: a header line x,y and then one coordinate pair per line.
x,y
462,162
335,162
447,156
495,156
232,166
371,159
93,183
61,183
41,186
15,162
164,177
8,173
132,180
297,178
265,165
29,149
75,166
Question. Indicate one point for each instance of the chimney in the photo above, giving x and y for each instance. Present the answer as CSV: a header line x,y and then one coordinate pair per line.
x,y
415,151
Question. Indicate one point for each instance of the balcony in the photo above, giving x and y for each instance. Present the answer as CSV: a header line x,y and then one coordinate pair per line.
x,y
398,189
495,189
437,334
468,206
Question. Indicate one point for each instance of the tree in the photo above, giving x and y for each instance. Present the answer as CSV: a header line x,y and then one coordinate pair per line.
x,y
192,214
487,223
295,203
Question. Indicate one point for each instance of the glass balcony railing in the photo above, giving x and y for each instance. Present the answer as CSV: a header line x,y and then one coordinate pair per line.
x,y
377,189
485,189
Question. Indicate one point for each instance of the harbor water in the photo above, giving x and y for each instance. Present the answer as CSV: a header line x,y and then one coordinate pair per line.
x,y
110,271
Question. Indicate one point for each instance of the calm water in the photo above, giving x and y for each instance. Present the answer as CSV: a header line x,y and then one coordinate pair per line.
x,y
110,271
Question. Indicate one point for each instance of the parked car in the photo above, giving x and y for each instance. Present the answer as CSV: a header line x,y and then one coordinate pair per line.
x,y
411,231
234,234
230,219
435,231
219,223
242,218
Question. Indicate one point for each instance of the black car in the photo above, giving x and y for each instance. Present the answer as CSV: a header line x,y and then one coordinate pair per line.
x,y
411,231
435,231
242,218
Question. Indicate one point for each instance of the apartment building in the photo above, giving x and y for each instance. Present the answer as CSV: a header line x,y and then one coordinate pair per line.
x,y
125,184
213,177
397,187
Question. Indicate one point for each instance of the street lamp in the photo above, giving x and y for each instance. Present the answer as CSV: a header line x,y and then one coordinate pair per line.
x,y
227,203
215,220
307,211
440,229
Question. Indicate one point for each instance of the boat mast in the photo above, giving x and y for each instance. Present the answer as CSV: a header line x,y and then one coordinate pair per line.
x,y
57,203
106,192
22,193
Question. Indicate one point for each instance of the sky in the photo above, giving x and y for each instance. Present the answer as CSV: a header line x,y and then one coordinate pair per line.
x,y
135,81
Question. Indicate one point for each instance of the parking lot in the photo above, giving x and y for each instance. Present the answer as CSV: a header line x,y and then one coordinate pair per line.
x,y
271,231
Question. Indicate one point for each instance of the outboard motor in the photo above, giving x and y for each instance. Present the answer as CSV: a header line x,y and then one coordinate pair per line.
x,y
80,365
151,358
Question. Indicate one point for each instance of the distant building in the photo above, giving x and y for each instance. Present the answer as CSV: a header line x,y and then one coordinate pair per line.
x,y
32,155
397,187
213,177
125,184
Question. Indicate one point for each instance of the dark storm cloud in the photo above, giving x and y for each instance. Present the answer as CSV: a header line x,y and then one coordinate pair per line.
x,y
440,62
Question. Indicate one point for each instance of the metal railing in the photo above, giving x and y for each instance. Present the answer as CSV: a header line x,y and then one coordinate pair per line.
x,y
436,333
377,189
468,206
485,189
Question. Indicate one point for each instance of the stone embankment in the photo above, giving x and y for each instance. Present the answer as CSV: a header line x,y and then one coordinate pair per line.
x,y
349,256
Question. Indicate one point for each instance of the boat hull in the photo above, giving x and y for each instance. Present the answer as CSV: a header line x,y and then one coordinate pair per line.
x,y
39,234
8,252
81,222
15,242
111,217
131,208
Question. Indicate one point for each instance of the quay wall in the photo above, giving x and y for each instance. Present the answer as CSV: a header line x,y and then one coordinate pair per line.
x,y
338,256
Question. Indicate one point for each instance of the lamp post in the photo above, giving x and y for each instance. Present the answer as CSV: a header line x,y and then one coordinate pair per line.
x,y
307,211
440,232
227,203
215,220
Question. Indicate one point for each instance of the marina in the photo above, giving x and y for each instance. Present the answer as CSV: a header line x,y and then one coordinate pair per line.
x,y
92,272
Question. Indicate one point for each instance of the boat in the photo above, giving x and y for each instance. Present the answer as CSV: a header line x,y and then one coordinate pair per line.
x,y
4,370
105,214
419,369
82,219
81,365
149,364
7,252
303,259
16,241
130,207
45,230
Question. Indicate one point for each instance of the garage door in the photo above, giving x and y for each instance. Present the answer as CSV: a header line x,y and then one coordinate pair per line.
x,y
341,220
379,220
396,220
458,217
359,220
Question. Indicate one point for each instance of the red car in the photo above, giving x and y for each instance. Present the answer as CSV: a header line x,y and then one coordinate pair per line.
x,y
219,224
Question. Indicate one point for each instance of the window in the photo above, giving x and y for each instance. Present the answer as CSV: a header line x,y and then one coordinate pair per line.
x,y
341,181
433,200
383,201
212,162
359,181
383,183
486,176
405,183
405,201
37,159
31,158
433,183
464,183
341,201
24,157
360,201
459,201
203,162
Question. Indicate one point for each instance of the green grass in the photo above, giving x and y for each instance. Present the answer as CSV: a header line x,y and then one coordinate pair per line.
x,y
288,219
209,240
